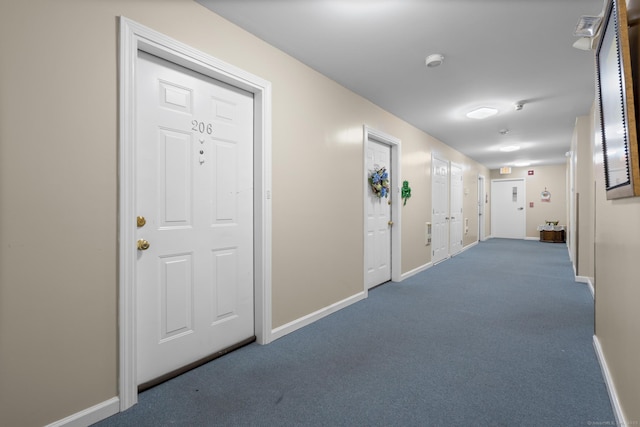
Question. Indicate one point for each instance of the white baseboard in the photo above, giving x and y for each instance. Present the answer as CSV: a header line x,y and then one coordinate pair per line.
x,y
464,248
611,388
469,246
587,280
428,265
283,330
111,407
416,271
90,415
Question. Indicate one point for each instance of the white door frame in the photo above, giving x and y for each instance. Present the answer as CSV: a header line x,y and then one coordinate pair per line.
x,y
454,247
135,37
482,212
396,229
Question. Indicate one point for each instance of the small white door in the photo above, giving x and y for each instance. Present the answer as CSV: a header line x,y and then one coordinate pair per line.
x,y
455,212
194,188
440,218
378,237
508,209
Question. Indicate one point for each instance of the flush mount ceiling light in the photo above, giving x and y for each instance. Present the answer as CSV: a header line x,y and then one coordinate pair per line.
x,y
510,148
434,60
482,113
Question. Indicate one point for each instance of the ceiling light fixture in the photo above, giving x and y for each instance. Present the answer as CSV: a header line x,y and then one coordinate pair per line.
x,y
587,26
434,60
482,113
509,148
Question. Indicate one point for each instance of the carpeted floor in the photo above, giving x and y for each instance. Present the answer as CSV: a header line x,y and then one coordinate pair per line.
x,y
499,335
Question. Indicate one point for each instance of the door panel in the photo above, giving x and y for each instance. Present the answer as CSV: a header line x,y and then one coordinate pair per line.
x,y
176,304
194,186
175,171
440,202
378,239
507,209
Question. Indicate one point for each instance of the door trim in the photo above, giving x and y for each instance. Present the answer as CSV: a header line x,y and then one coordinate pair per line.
x,y
396,230
453,248
135,37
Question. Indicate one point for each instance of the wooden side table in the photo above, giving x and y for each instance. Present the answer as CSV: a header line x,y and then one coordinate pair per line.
x,y
552,236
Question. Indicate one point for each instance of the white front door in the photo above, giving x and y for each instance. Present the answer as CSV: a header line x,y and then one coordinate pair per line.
x,y
507,209
194,189
440,217
378,212
455,211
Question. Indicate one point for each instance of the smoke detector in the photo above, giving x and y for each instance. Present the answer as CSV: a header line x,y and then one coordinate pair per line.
x,y
434,60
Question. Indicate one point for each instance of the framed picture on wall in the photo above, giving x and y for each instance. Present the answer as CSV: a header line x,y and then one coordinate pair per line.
x,y
616,105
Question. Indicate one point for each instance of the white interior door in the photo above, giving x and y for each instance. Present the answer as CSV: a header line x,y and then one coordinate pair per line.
x,y
481,203
378,227
440,218
194,188
455,211
507,209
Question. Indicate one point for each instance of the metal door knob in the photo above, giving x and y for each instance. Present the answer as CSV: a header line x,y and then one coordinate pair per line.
x,y
390,223
143,245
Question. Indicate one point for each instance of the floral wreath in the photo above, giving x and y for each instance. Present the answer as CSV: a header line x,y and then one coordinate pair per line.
x,y
379,181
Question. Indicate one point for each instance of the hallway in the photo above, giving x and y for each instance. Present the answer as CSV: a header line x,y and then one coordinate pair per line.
x,y
499,335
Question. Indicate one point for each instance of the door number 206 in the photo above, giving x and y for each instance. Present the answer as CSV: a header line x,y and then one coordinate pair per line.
x,y
202,127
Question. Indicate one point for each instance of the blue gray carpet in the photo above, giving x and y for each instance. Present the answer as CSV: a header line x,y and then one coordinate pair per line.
x,y
499,335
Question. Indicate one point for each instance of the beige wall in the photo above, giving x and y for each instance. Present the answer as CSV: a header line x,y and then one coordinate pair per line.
x,y
551,177
582,196
617,247
59,184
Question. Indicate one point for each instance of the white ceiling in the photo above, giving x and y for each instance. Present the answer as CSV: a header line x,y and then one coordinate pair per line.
x,y
497,53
